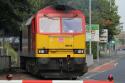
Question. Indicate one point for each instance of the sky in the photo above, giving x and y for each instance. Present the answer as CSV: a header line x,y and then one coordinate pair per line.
x,y
121,11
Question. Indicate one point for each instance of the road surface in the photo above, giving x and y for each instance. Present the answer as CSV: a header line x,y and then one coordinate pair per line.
x,y
114,67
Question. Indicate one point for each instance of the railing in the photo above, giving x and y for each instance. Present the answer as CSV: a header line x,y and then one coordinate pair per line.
x,y
5,63
3,51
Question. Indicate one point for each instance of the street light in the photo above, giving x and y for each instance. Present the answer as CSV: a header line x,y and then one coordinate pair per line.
x,y
110,1
90,28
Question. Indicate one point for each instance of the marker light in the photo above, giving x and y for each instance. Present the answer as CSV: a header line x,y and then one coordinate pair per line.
x,y
78,51
43,51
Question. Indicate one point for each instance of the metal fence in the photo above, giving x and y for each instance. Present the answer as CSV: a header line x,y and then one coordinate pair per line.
x,y
5,63
3,51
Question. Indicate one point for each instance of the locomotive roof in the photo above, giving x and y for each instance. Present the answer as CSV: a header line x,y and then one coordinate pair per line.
x,y
53,9
57,8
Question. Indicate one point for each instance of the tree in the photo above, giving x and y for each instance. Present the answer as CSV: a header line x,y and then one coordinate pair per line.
x,y
12,12
16,12
36,5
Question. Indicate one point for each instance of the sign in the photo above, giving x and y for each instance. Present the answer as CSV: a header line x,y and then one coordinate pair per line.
x,y
94,35
104,36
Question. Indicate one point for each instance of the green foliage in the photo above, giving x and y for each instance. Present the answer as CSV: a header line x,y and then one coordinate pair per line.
x,y
36,5
12,53
15,12
94,49
11,15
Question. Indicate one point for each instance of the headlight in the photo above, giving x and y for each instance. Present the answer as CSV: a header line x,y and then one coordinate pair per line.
x,y
42,51
78,51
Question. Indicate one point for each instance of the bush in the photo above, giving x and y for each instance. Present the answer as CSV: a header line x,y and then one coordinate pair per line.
x,y
94,49
12,53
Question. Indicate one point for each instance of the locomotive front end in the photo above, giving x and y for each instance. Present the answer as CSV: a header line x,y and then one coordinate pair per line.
x,y
59,43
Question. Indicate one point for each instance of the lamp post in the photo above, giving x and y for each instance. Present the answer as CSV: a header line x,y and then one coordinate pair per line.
x,y
90,28
110,1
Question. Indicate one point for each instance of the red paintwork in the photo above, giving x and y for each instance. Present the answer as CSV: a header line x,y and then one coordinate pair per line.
x,y
104,67
97,81
33,34
37,81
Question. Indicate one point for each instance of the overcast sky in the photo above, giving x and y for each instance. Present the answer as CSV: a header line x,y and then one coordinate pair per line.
x,y
121,10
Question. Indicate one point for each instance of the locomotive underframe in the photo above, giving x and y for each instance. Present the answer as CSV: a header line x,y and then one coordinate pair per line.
x,y
54,68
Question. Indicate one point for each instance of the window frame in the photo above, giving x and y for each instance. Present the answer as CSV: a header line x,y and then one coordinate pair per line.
x,y
48,32
61,27
72,20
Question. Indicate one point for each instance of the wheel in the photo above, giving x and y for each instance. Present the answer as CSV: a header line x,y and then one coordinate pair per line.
x,y
35,69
